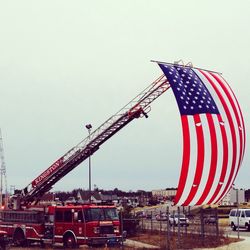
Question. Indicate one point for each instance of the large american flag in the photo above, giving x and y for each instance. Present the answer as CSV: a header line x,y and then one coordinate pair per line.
x,y
213,134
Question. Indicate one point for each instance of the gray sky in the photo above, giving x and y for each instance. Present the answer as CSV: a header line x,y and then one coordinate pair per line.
x,y
64,64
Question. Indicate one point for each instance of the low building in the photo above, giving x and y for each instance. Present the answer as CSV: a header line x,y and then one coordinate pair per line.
x,y
233,196
96,197
164,194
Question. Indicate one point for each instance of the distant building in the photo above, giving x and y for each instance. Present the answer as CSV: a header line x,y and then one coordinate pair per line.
x,y
247,195
165,194
96,197
84,197
231,197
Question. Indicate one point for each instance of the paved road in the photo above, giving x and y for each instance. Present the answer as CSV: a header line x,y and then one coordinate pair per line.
x,y
242,232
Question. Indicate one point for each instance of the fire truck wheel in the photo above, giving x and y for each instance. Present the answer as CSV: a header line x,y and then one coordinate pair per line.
x,y
69,241
19,238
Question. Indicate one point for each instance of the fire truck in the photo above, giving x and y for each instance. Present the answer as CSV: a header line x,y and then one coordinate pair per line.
x,y
25,221
70,225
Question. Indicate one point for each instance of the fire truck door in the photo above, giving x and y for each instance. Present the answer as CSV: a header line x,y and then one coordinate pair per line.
x,y
80,228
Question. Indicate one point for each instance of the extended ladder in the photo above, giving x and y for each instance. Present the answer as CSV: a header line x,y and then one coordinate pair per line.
x,y
136,108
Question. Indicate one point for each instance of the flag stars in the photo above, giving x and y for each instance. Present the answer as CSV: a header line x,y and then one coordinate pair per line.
x,y
191,93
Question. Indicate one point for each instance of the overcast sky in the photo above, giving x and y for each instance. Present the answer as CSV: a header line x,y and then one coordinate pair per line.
x,y
64,64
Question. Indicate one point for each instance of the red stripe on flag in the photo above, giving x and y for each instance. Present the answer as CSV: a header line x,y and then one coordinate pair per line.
x,y
236,116
213,161
200,160
224,161
185,158
231,125
240,113
243,124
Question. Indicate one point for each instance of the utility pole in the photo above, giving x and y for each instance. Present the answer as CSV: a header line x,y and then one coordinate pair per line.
x,y
89,127
2,174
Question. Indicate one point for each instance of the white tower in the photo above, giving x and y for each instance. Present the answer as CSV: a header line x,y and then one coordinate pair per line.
x,y
3,177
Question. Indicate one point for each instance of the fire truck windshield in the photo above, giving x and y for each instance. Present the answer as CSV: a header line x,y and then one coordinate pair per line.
x,y
101,214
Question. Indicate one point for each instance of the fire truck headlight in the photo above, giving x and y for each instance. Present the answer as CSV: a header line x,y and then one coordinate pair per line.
x,y
96,230
116,229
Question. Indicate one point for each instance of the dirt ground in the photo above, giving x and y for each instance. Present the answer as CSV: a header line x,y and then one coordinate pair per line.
x,y
161,242
185,242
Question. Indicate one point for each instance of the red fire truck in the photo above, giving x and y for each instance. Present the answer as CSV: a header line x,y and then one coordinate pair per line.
x,y
70,225
26,222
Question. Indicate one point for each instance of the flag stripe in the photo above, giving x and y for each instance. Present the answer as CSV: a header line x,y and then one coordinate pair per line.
x,y
213,162
238,129
241,116
192,159
233,134
200,160
185,158
235,113
224,162
223,123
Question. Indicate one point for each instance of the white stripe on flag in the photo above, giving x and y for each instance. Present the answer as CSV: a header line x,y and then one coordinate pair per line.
x,y
192,163
207,159
227,127
236,132
219,158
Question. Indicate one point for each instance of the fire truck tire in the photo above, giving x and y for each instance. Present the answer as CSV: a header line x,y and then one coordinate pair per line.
x,y
69,241
19,238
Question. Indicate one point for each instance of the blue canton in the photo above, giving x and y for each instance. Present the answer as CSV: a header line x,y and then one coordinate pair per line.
x,y
190,92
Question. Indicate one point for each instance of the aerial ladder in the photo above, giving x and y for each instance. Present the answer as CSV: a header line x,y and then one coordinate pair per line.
x,y
136,108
